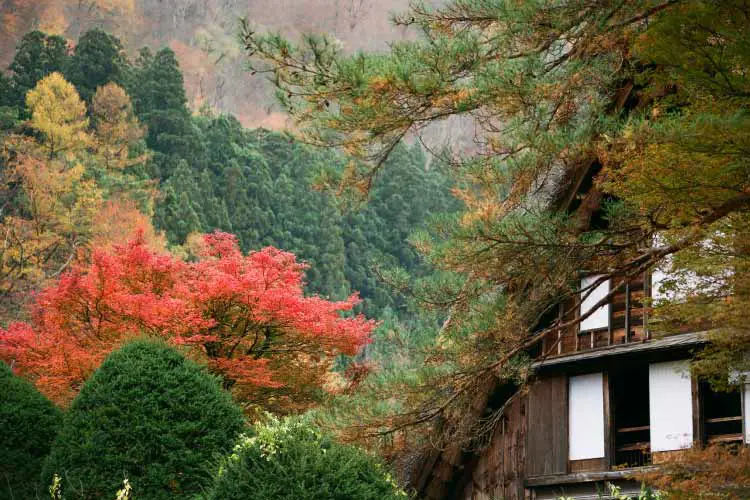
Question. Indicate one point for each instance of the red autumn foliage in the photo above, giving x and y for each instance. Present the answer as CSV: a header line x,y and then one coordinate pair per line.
x,y
246,315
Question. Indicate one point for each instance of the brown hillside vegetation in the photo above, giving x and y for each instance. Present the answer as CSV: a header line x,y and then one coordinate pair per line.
x,y
202,34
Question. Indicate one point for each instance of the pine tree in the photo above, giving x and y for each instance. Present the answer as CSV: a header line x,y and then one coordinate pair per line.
x,y
261,185
6,91
177,214
150,415
98,59
8,108
37,56
646,98
158,91
117,128
29,424
247,219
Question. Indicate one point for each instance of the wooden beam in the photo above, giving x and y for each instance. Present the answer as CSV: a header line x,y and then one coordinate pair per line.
x,y
725,438
635,429
587,477
635,446
723,419
578,327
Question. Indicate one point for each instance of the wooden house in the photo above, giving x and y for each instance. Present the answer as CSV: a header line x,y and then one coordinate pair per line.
x,y
609,401
606,401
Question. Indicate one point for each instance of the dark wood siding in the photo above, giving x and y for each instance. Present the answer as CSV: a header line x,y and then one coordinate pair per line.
x,y
498,472
547,445
627,323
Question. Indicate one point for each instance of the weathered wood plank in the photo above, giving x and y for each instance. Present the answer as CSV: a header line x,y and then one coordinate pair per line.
x,y
547,424
584,477
588,465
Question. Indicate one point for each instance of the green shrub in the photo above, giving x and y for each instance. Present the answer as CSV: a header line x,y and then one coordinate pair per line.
x,y
290,460
28,425
147,414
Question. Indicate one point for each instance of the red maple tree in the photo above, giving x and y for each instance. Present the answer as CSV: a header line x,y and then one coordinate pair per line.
x,y
245,315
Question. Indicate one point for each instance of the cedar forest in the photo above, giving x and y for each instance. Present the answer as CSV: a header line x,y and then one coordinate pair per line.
x,y
191,307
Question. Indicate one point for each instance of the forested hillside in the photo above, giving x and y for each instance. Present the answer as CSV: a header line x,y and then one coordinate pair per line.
x,y
201,172
259,185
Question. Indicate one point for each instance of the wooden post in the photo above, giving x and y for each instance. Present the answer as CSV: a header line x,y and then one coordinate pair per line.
x,y
608,430
560,310
609,319
627,310
698,434
646,295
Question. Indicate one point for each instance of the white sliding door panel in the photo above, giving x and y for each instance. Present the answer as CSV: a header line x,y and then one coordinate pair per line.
x,y
600,317
746,411
670,406
586,416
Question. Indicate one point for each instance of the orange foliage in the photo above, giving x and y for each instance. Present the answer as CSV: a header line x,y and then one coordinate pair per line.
x,y
721,472
117,127
245,315
118,219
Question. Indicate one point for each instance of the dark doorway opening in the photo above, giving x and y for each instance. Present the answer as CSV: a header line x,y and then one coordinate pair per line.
x,y
722,415
630,416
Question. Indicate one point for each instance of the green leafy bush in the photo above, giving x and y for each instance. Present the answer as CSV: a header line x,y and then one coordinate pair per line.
x,y
147,414
289,460
28,425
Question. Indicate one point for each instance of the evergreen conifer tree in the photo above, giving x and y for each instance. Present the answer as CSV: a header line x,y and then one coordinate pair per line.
x,y
291,460
158,91
147,414
177,214
29,423
37,56
98,59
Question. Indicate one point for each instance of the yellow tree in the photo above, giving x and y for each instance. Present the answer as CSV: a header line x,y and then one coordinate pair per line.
x,y
116,133
50,221
50,203
59,114
116,126
63,191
